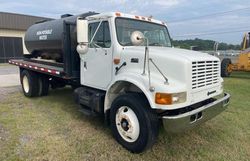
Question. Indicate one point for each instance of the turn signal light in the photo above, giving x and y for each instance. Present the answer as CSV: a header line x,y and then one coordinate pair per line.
x,y
163,98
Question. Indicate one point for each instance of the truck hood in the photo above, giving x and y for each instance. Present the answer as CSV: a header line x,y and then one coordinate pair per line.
x,y
181,53
170,53
175,64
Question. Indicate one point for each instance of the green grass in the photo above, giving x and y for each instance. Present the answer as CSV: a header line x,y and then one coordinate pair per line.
x,y
51,128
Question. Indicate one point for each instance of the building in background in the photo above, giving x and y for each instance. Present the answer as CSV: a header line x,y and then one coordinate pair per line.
x,y
12,31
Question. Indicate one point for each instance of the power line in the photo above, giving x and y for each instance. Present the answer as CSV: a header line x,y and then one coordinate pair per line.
x,y
210,33
209,15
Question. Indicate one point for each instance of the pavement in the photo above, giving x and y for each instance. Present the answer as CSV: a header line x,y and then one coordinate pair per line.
x,y
9,75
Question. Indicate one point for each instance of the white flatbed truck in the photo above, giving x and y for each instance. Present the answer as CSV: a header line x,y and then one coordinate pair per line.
x,y
124,68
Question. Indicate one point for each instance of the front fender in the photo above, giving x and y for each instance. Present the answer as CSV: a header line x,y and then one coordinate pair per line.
x,y
135,79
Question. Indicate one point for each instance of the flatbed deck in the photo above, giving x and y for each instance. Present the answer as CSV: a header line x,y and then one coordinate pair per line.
x,y
39,66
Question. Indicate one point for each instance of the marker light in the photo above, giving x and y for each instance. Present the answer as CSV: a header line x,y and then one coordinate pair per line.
x,y
116,61
118,14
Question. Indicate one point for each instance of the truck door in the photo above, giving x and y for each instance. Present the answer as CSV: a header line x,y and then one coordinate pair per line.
x,y
96,64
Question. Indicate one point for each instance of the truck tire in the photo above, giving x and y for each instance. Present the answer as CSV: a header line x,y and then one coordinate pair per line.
x,y
29,81
43,85
225,72
134,125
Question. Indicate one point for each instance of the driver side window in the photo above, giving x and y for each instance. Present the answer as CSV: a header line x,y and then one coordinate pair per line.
x,y
102,37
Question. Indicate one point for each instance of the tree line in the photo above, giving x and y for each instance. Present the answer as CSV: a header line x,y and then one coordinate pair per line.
x,y
204,44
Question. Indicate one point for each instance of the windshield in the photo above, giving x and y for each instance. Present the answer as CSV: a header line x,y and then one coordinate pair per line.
x,y
156,34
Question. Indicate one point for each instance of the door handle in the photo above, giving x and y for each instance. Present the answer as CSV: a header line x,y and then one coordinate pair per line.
x,y
118,68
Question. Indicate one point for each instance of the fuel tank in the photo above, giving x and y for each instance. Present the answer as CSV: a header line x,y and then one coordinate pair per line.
x,y
46,39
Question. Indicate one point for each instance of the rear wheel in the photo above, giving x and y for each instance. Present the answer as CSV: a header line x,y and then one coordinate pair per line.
x,y
30,85
43,85
226,67
134,125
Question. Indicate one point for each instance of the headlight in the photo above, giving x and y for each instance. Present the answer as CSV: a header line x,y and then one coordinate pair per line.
x,y
170,98
179,97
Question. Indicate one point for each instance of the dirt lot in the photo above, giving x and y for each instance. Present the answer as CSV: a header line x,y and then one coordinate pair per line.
x,y
51,128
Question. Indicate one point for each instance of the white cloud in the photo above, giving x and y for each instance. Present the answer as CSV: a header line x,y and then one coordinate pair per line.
x,y
133,12
116,1
192,29
167,3
12,5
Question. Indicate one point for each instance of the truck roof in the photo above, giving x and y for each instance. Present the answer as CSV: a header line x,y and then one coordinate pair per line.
x,y
125,15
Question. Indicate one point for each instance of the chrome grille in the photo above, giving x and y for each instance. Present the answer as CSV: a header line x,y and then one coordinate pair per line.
x,y
205,73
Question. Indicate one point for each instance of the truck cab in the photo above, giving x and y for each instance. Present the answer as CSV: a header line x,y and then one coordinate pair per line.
x,y
132,75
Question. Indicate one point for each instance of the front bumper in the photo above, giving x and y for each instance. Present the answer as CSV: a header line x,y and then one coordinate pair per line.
x,y
195,117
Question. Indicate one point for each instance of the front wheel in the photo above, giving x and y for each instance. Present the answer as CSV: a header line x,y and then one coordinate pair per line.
x,y
134,125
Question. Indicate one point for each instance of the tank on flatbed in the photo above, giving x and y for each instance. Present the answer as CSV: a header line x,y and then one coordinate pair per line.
x,y
46,39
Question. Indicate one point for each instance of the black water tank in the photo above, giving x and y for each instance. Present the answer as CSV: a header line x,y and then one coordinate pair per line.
x,y
47,37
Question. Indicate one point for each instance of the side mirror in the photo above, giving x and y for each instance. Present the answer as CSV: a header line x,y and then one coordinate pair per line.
x,y
82,35
137,38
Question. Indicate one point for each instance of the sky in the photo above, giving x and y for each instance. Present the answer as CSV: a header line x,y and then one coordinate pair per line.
x,y
219,20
